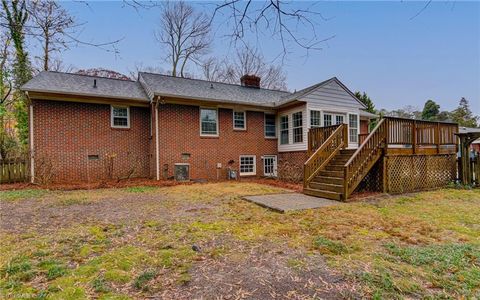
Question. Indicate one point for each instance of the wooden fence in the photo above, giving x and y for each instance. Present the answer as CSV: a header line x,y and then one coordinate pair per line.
x,y
13,170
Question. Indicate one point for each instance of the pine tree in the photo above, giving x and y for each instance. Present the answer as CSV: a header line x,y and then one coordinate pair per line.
x,y
430,111
365,99
463,115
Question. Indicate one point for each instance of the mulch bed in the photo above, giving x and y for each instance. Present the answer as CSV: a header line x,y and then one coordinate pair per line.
x,y
68,186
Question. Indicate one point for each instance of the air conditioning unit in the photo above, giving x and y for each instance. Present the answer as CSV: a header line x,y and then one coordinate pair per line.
x,y
182,172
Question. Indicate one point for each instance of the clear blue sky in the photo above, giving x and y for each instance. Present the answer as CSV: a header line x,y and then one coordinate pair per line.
x,y
376,48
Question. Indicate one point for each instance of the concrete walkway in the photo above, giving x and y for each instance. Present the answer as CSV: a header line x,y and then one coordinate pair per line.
x,y
290,201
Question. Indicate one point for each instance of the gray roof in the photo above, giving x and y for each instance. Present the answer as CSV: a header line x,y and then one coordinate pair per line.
x,y
164,85
75,84
364,113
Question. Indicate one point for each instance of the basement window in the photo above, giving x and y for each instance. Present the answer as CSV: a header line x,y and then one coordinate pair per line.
x,y
120,116
247,165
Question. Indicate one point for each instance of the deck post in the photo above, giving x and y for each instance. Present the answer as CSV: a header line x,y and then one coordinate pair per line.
x,y
414,136
437,137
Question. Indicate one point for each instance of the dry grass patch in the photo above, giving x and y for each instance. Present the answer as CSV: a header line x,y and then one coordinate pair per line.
x,y
424,245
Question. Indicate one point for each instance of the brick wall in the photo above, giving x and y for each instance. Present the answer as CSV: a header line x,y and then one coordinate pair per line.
x,y
290,164
65,133
364,126
179,132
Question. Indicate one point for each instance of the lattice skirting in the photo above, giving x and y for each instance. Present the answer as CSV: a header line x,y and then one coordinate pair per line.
x,y
419,172
409,173
373,182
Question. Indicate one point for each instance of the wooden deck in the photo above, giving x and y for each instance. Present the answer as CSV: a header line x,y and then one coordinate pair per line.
x,y
399,155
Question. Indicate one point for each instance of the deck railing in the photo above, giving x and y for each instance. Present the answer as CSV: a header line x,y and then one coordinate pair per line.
x,y
317,136
364,158
337,140
420,134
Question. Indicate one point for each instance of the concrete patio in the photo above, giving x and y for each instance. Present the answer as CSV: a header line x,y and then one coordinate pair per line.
x,y
290,201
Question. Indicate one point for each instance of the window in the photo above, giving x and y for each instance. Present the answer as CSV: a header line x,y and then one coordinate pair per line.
x,y
327,120
284,130
247,165
297,127
120,117
315,120
239,118
338,119
353,128
270,127
208,121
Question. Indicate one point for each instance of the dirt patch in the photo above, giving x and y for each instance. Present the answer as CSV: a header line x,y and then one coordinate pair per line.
x,y
265,271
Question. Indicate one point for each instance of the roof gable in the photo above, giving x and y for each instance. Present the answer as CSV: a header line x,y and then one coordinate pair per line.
x,y
331,91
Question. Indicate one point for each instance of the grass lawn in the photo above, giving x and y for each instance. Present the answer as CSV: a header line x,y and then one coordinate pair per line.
x,y
137,242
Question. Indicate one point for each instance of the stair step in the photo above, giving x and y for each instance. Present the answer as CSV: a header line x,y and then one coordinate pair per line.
x,y
330,180
326,187
338,174
322,194
342,157
334,167
348,151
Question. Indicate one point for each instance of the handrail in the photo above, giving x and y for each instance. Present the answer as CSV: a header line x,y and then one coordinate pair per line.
x,y
364,157
322,156
318,135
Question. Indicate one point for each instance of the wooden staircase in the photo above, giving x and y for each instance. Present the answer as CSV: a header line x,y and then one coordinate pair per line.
x,y
334,172
329,183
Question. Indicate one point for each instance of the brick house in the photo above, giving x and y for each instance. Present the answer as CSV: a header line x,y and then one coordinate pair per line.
x,y
160,126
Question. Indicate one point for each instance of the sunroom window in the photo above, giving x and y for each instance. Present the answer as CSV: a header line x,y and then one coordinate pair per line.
x,y
353,128
297,127
284,130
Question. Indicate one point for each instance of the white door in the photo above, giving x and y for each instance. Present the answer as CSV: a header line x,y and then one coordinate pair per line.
x,y
270,165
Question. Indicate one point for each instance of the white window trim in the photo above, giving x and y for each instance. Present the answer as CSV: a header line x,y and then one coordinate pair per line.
x,y
200,121
254,166
275,165
265,125
358,127
111,116
280,129
310,118
244,120
293,128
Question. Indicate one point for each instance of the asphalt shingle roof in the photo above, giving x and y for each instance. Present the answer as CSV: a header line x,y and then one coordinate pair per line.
x,y
75,84
164,85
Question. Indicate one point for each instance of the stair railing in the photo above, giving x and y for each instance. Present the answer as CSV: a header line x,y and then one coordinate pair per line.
x,y
364,158
337,140
317,136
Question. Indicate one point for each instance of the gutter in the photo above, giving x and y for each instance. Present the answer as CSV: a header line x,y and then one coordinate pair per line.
x,y
32,149
157,147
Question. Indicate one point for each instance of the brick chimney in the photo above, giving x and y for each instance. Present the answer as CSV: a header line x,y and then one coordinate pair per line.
x,y
252,81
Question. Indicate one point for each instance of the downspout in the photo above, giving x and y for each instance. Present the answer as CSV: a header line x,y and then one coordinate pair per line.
x,y
32,157
157,147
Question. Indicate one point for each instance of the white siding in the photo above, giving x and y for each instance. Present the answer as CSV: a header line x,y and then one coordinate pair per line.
x,y
291,146
331,98
332,95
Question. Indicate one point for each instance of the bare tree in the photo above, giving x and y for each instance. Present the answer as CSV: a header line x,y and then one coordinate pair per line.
x,y
100,72
247,61
51,24
277,18
185,32
5,77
